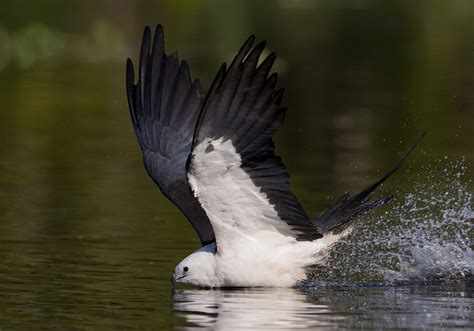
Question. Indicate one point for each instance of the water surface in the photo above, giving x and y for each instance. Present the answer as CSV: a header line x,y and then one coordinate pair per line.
x,y
413,307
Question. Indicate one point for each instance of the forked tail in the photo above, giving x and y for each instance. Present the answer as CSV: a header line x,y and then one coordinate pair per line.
x,y
347,207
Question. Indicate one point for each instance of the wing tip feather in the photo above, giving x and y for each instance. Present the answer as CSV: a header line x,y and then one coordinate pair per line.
x,y
130,73
278,96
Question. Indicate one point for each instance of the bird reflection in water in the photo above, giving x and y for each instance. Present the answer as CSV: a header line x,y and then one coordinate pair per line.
x,y
256,308
413,306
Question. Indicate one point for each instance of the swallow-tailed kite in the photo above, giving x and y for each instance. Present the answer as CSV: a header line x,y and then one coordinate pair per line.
x,y
213,156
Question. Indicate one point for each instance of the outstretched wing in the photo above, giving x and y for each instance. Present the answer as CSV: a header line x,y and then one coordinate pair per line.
x,y
165,106
234,172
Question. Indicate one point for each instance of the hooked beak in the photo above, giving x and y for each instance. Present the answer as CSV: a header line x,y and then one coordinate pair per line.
x,y
174,279
173,284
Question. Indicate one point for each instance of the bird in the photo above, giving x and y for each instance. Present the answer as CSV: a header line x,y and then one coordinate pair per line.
x,y
213,156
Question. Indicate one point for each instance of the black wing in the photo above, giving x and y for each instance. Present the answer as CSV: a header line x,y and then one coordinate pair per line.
x,y
244,107
165,106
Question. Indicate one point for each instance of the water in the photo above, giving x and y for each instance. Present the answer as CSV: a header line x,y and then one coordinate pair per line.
x,y
86,239
433,306
425,237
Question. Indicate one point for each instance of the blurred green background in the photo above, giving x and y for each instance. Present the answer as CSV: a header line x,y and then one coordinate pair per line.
x,y
85,235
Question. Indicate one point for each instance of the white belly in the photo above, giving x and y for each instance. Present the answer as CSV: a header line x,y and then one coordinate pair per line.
x,y
270,263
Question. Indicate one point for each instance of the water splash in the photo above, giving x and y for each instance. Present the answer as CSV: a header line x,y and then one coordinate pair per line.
x,y
425,236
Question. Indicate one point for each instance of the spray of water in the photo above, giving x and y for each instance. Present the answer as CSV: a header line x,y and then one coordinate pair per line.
x,y
424,236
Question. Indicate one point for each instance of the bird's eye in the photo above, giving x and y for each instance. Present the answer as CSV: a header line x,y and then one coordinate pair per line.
x,y
185,269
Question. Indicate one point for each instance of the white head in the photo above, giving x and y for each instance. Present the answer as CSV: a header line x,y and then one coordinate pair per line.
x,y
198,268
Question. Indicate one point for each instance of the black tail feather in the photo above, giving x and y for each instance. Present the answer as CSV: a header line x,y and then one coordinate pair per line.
x,y
347,208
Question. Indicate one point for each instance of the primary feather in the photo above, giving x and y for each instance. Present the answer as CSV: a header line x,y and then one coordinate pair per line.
x,y
164,106
233,170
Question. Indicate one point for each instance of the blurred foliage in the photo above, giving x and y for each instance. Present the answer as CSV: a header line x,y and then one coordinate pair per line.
x,y
36,44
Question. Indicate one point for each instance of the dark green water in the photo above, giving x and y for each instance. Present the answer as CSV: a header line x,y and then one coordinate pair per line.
x,y
87,240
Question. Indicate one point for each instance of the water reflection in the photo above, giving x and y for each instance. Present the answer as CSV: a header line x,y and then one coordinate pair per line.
x,y
447,305
252,308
